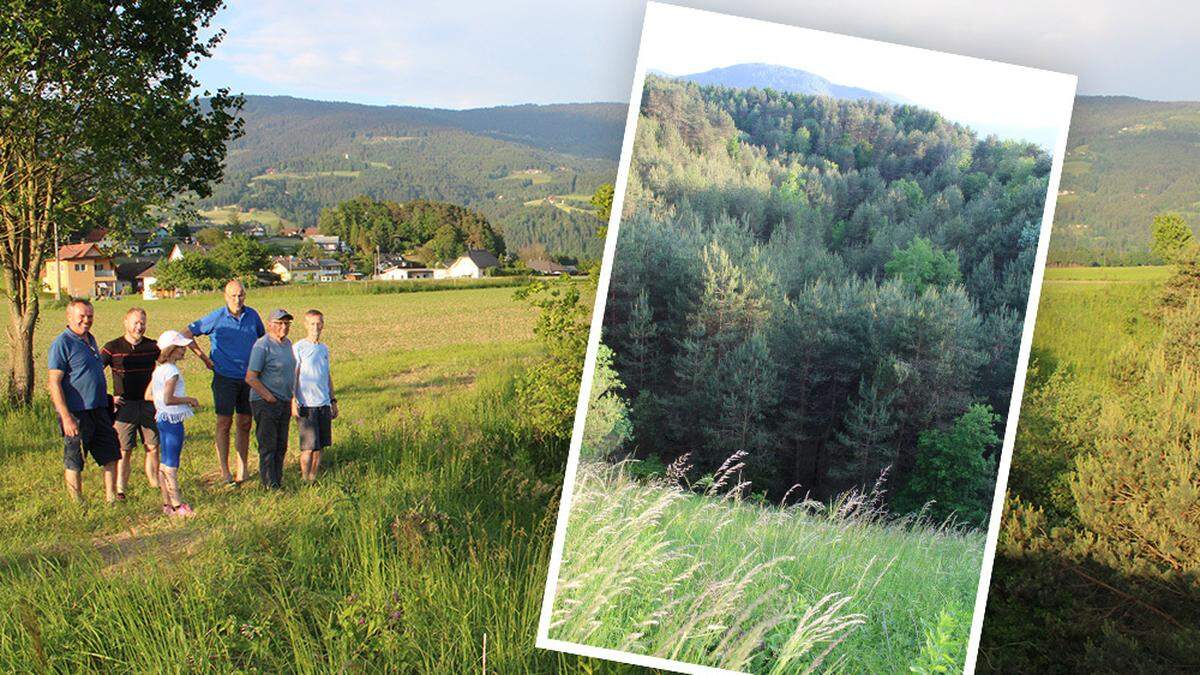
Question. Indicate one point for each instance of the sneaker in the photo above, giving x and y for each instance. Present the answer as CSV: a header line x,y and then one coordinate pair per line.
x,y
184,510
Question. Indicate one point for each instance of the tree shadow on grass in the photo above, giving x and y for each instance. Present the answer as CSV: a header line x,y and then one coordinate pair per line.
x,y
1050,613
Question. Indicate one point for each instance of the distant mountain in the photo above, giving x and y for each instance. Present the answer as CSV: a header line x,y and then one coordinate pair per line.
x,y
782,78
1127,160
298,156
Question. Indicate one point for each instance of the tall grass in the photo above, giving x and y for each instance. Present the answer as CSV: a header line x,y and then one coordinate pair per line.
x,y
653,569
429,528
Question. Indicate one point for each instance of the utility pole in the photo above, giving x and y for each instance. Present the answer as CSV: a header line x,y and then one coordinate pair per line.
x,y
57,265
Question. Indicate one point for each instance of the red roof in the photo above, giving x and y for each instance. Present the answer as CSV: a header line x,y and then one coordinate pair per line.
x,y
77,251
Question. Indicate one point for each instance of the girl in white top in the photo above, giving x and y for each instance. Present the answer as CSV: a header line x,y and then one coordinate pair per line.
x,y
172,407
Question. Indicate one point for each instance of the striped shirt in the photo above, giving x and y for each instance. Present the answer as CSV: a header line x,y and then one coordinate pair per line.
x,y
131,366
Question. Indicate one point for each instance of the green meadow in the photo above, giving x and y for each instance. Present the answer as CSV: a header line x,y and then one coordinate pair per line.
x,y
1087,314
655,570
422,547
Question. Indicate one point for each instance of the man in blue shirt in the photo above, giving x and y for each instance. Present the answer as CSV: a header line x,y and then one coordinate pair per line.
x,y
232,331
79,391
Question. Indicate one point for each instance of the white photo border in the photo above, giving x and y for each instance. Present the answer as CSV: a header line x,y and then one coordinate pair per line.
x,y
544,641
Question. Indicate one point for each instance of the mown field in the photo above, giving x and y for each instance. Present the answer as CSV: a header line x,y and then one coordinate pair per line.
x,y
426,537
658,571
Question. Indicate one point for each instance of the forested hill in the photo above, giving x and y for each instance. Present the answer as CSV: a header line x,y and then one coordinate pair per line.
x,y
781,78
1127,160
833,287
298,156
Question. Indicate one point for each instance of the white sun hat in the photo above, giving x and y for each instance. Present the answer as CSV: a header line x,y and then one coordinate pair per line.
x,y
172,338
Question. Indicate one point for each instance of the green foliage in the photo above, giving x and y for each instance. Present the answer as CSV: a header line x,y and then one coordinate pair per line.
x,y
945,646
210,236
602,201
817,307
192,272
242,256
1170,236
606,428
432,231
956,469
921,266
1098,541
549,392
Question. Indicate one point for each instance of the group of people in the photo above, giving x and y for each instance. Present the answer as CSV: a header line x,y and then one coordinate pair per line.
x,y
260,381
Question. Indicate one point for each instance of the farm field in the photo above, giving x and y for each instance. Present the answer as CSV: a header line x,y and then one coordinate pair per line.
x,y
428,529
654,570
575,203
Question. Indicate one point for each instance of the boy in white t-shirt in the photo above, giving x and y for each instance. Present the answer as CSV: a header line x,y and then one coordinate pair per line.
x,y
314,405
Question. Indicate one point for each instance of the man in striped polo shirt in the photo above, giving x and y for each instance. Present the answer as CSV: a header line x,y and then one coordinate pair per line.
x,y
131,358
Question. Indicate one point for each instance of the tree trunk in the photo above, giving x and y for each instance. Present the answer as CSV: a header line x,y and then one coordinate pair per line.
x,y
23,310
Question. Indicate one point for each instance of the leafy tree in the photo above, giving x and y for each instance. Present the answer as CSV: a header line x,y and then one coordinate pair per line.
x,y
98,121
210,236
241,255
954,472
606,428
921,266
192,272
1171,237
602,200
549,392
309,249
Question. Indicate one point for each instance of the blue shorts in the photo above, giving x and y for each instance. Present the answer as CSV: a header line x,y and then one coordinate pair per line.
x,y
170,439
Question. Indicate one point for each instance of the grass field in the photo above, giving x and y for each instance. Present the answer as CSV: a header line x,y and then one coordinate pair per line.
x,y
1087,314
290,175
654,570
428,530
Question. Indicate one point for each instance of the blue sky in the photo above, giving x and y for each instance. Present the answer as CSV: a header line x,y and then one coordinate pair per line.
x,y
476,53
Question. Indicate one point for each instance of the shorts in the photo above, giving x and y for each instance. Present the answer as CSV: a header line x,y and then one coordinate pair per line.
x,y
96,437
230,395
134,417
316,428
172,443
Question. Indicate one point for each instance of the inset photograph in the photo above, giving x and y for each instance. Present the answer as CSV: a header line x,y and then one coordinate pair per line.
x,y
812,318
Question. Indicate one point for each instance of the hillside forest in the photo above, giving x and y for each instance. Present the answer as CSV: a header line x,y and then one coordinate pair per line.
x,y
530,170
836,288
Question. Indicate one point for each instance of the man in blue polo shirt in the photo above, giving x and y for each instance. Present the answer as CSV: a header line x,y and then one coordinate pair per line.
x,y
232,331
79,391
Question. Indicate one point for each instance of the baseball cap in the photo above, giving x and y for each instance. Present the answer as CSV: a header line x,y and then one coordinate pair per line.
x,y
279,315
172,338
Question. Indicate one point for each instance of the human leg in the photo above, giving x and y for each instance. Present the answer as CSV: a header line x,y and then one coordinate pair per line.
x,y
99,439
244,424
284,421
73,466
171,439
305,464
150,442
224,423
264,432
316,464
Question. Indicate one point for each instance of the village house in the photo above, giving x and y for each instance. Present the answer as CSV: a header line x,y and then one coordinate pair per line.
x,y
551,268
129,279
80,270
472,265
182,247
328,243
398,273
102,237
291,269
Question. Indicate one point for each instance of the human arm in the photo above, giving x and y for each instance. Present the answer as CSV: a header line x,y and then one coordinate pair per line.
x,y
257,385
194,345
296,383
69,425
258,361
333,407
